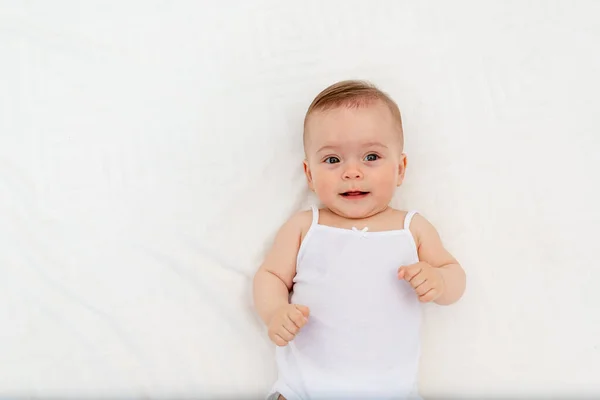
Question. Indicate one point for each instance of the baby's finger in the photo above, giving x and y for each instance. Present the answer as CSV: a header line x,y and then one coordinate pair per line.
x,y
401,272
303,309
285,333
418,280
409,272
290,325
278,340
298,318
429,296
423,288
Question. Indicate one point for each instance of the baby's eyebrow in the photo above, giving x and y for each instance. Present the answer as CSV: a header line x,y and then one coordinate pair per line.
x,y
327,147
368,144
375,144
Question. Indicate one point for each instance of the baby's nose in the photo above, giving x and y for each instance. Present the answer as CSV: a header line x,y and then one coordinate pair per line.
x,y
353,173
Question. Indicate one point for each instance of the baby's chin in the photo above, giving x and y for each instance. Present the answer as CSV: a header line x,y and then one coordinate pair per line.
x,y
354,212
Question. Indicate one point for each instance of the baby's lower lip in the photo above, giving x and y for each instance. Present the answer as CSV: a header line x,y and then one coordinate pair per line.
x,y
354,195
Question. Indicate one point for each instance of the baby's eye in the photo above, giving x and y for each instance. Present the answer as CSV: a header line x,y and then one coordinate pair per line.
x,y
332,160
371,157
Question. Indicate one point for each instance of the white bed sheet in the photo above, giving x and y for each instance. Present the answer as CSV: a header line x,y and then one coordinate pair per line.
x,y
149,151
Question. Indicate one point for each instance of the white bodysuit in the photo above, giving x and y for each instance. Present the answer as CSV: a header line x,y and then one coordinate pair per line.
x,y
362,337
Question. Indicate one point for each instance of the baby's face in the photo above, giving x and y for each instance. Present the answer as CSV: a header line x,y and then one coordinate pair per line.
x,y
354,159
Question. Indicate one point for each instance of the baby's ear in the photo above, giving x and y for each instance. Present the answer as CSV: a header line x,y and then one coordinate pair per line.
x,y
402,169
308,175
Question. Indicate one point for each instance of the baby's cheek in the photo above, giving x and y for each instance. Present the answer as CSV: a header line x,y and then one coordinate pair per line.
x,y
320,187
385,177
324,181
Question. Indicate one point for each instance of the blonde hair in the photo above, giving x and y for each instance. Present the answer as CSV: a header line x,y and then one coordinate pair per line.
x,y
353,94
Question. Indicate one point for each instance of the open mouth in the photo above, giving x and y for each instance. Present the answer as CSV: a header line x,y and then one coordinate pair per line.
x,y
354,194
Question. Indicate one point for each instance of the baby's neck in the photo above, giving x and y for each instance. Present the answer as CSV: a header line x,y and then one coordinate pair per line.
x,y
382,220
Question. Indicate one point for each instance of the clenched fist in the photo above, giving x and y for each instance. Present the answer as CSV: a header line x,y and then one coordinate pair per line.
x,y
286,323
427,281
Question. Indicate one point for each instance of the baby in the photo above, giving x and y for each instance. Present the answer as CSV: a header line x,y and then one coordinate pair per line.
x,y
340,289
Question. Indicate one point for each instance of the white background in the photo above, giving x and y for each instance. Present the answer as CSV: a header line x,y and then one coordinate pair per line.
x,y
150,149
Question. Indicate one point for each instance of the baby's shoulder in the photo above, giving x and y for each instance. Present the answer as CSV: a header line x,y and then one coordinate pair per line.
x,y
300,222
397,217
420,227
411,217
396,213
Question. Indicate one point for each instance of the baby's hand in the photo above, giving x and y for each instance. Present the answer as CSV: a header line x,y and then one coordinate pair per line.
x,y
427,281
286,323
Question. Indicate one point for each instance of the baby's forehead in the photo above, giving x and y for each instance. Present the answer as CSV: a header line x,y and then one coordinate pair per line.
x,y
345,127
351,139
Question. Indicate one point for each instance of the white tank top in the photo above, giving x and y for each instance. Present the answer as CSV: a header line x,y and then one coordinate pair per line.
x,y
362,336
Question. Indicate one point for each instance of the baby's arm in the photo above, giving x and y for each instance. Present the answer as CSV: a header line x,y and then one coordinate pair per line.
x,y
273,282
437,268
